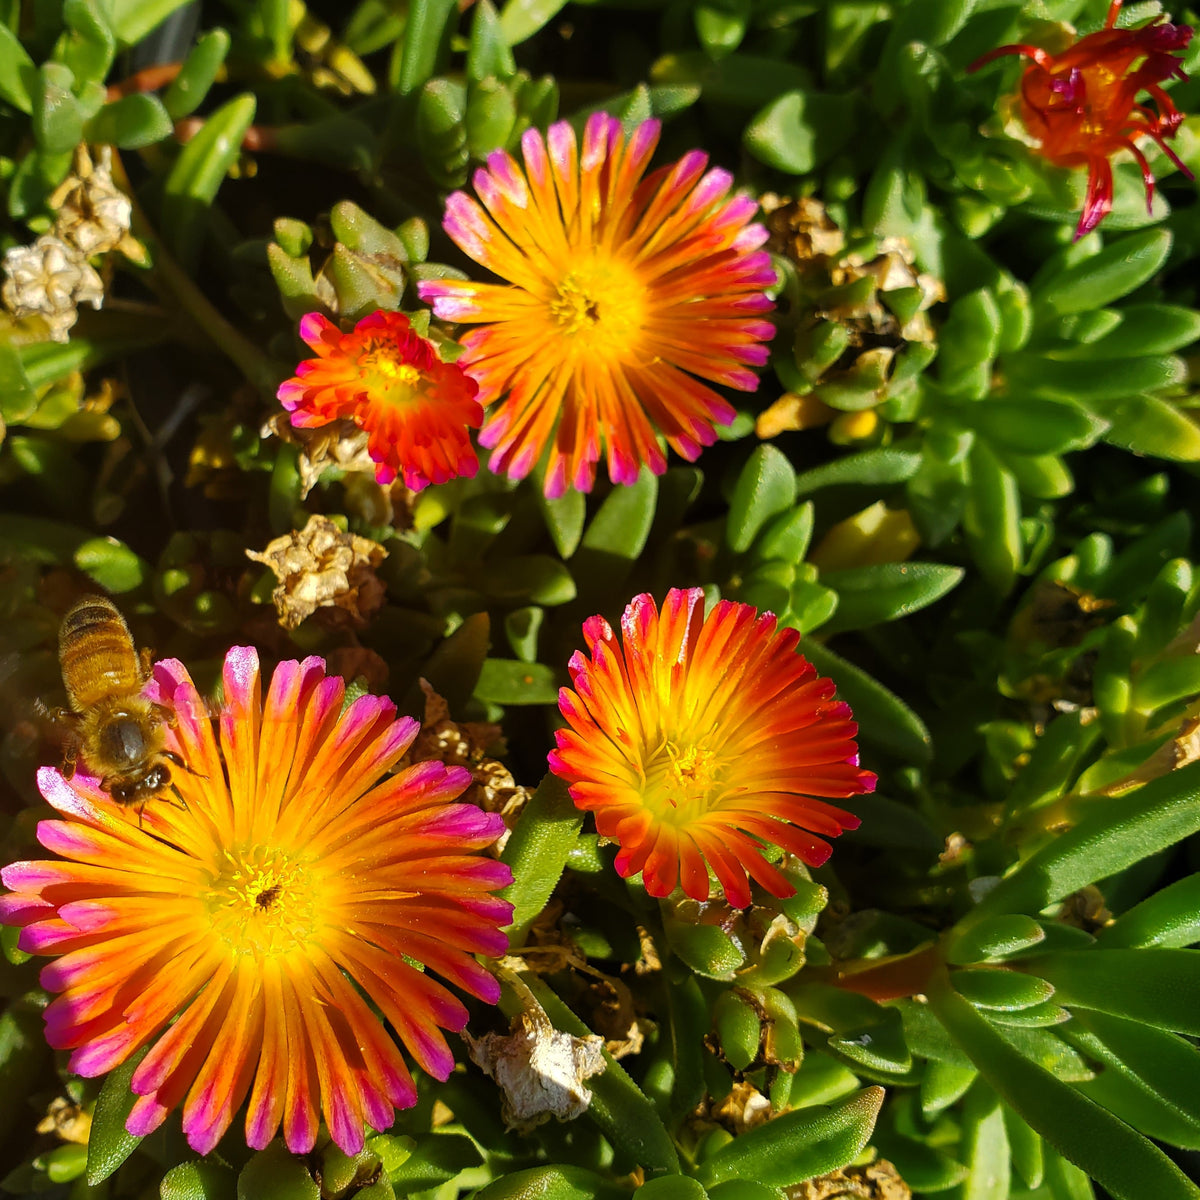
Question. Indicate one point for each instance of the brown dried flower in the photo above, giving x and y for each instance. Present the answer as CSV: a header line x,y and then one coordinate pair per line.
x,y
614,1015
540,1069
339,445
321,566
742,1109
466,744
800,229
50,279
93,214
66,1120
875,1181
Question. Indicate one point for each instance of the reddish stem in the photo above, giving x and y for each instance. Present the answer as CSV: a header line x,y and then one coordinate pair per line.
x,y
257,138
885,978
148,80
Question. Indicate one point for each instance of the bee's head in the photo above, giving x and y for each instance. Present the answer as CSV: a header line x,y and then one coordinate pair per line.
x,y
156,780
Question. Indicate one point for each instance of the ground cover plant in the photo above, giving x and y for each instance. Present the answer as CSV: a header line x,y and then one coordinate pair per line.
x,y
598,599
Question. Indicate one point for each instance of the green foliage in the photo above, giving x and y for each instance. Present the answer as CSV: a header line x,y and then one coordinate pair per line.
x,y
966,479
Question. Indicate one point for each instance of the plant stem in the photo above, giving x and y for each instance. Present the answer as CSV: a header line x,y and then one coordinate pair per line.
x,y
884,978
165,271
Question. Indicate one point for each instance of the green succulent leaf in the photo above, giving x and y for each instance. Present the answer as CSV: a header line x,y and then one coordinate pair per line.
x,y
1000,989
87,45
799,130
992,519
435,1159
1156,987
1168,918
1115,834
1026,1149
1122,266
131,122
1143,329
537,851
508,681
192,184
1035,427
133,19
57,116
985,1145
112,564
274,1174
521,19
1119,1158
619,1108
199,72
739,1028
870,468
1149,425
1138,1080
426,42
872,595
672,1187
765,488
617,534
995,937
798,1145
551,1183
198,1181
564,517
883,717
109,1143
17,72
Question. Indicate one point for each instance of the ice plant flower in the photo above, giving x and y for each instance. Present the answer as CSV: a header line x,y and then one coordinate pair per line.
x,y
387,379
1081,105
623,291
293,887
694,741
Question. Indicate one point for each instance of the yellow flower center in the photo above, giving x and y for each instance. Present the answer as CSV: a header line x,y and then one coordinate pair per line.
x,y
387,377
682,781
600,305
264,902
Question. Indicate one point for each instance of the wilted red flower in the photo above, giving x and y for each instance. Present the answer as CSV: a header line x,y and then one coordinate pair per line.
x,y
388,380
622,292
256,936
1081,105
695,737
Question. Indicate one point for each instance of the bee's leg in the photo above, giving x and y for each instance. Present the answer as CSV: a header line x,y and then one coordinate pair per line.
x,y
167,715
174,758
65,725
179,796
146,658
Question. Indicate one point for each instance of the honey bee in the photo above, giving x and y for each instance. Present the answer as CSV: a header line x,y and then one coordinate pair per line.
x,y
120,734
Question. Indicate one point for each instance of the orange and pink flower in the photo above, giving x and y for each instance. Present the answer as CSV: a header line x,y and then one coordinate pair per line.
x,y
696,741
243,935
623,291
1081,105
417,410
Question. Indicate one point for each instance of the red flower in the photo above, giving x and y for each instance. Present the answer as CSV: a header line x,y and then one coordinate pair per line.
x,y
389,381
1081,105
695,740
